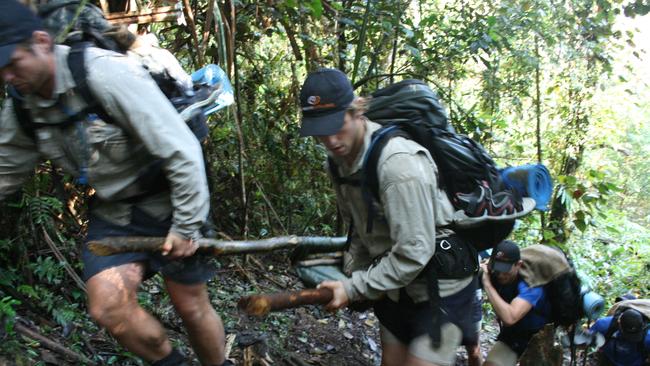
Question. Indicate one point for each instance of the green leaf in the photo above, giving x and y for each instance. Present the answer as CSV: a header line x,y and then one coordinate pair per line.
x,y
414,51
316,7
581,225
548,234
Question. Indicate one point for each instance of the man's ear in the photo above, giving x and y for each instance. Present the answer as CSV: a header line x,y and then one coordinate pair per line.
x,y
42,39
519,264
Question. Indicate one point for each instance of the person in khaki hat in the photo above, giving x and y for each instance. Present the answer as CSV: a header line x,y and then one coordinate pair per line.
x,y
146,131
521,310
387,265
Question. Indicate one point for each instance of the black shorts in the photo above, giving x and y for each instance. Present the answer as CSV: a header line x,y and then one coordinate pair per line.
x,y
516,338
464,310
193,270
407,320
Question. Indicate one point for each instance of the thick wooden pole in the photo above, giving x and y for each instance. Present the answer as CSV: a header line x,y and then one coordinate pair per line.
x,y
260,305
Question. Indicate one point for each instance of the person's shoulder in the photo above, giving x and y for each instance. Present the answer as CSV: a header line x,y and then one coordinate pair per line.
x,y
401,166
105,63
108,72
524,288
93,53
522,285
405,158
400,144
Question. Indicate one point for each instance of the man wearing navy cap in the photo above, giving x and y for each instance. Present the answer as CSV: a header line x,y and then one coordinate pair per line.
x,y
522,310
626,335
387,264
46,118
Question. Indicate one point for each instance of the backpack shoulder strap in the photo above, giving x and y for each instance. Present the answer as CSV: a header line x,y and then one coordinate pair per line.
x,y
370,176
613,326
77,66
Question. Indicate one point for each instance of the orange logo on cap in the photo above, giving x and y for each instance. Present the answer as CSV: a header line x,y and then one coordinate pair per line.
x,y
313,100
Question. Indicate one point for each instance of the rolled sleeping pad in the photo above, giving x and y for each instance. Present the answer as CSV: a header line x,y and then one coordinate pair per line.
x,y
312,276
531,180
593,304
212,75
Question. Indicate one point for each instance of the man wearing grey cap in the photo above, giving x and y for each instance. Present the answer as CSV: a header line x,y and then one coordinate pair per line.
x,y
387,263
131,125
522,310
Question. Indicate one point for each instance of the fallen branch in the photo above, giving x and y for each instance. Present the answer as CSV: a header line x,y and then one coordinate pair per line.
x,y
114,245
260,305
63,260
52,345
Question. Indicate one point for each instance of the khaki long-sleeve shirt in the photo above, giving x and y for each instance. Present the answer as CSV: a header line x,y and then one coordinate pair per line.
x,y
145,127
404,227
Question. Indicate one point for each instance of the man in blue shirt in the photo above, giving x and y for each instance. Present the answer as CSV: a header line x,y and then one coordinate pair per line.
x,y
522,310
627,339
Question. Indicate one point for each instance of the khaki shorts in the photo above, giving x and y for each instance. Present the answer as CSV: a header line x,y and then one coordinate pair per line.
x,y
420,347
502,355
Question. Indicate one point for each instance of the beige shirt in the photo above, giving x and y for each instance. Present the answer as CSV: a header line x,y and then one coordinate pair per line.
x,y
404,227
145,127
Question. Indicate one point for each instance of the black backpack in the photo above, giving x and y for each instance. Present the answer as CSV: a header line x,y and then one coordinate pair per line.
x,y
564,292
410,109
564,295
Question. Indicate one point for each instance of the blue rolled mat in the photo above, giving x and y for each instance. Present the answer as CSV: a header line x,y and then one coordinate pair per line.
x,y
531,180
593,304
312,276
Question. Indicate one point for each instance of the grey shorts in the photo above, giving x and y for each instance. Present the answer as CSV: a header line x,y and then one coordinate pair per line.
x,y
421,348
189,271
502,355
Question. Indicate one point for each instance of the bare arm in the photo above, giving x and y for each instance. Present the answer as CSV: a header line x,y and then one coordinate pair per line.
x,y
508,313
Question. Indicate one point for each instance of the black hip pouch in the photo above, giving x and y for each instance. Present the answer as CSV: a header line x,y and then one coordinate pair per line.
x,y
454,258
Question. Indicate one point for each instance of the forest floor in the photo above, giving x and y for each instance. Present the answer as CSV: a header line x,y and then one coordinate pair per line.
x,y
302,336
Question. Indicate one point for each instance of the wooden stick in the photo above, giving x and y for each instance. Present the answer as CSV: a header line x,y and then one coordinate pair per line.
x,y
48,343
260,305
114,245
62,259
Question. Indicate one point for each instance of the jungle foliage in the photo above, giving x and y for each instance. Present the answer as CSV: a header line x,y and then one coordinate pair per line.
x,y
549,80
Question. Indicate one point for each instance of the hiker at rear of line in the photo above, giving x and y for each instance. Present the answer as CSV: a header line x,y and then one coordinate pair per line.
x,y
625,334
146,130
521,310
388,263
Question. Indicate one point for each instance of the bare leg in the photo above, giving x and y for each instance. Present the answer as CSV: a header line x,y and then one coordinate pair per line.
x,y
203,324
113,303
474,356
393,354
415,361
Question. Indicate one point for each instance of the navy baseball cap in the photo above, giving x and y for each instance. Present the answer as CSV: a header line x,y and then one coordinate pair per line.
x,y
17,24
632,326
504,256
324,98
